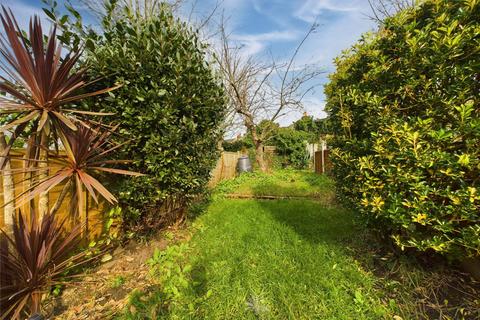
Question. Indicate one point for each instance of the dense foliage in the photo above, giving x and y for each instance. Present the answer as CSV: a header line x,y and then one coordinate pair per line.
x,y
292,147
290,142
315,127
171,106
404,103
42,111
239,144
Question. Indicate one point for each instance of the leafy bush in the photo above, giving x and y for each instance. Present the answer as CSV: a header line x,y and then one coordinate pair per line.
x,y
404,104
171,106
315,127
175,283
237,145
292,146
170,270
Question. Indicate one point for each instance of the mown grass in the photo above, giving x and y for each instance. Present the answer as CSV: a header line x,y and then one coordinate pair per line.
x,y
277,259
282,183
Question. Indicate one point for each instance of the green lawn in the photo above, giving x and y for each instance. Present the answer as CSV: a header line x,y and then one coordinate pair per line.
x,y
291,183
263,259
270,259
279,260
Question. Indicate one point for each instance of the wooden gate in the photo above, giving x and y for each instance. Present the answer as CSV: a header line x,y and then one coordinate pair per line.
x,y
322,161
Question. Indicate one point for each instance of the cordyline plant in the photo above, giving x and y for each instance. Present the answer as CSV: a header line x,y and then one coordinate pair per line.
x,y
39,84
86,151
38,258
42,82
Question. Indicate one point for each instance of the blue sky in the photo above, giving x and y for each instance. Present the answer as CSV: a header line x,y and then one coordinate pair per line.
x,y
277,26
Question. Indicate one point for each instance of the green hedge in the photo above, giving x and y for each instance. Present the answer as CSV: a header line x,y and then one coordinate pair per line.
x,y
316,128
292,147
404,105
237,145
171,106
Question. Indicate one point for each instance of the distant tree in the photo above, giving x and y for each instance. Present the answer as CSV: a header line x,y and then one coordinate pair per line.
x,y
240,143
260,91
268,129
323,126
305,123
314,127
292,147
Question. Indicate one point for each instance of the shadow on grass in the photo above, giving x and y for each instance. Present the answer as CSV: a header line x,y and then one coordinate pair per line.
x,y
199,279
316,220
416,293
423,285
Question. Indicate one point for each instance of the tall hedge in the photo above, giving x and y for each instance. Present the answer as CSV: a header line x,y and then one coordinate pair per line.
x,y
292,147
404,104
170,106
316,128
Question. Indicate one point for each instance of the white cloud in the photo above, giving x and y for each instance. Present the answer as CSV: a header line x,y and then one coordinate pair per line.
x,y
313,106
269,36
278,12
338,34
257,43
310,10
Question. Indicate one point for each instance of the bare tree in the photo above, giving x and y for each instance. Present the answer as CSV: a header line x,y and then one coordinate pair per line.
x,y
260,90
382,9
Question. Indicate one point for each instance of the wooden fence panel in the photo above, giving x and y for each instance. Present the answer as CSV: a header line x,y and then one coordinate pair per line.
x,y
318,162
93,213
322,161
91,216
226,167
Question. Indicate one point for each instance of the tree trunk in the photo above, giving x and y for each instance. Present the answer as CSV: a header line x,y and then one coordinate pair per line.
x,y
258,142
43,198
260,156
8,190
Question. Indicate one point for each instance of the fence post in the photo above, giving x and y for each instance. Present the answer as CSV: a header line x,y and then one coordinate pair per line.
x,y
222,167
323,159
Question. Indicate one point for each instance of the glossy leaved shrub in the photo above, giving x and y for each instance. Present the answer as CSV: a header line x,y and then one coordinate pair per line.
x,y
171,106
404,103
